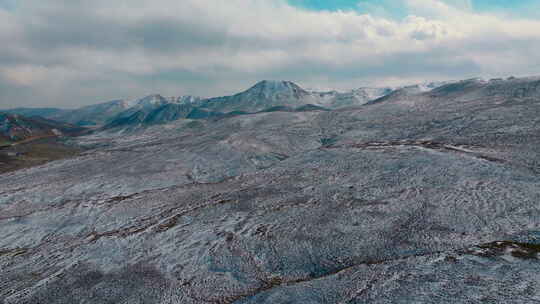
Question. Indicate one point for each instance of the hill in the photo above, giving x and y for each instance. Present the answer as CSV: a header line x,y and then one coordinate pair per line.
x,y
423,196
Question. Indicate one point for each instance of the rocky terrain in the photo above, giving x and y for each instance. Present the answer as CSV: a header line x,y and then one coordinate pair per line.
x,y
420,196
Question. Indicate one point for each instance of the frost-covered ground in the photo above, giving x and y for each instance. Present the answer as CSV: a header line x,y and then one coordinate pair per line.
x,y
432,198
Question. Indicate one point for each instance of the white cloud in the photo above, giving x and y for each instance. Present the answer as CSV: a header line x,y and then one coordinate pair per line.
x,y
74,53
25,75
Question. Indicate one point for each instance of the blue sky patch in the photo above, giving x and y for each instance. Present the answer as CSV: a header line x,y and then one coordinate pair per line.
x,y
396,8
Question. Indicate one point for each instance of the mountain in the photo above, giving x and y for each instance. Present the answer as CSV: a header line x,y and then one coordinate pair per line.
x,y
431,196
152,109
509,89
103,113
158,114
143,106
92,115
400,93
14,127
266,95
188,99
270,94
263,95
356,97
498,90
28,112
148,102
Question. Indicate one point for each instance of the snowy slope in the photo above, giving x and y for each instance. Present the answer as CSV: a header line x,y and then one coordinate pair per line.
x,y
430,197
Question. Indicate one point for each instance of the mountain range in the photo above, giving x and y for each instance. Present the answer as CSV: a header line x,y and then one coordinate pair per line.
x,y
423,194
155,109
265,96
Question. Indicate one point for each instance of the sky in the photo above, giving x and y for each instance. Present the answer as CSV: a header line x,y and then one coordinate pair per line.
x,y
64,53
518,7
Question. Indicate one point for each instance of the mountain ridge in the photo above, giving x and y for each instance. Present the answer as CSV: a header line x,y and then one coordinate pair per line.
x,y
265,95
15,127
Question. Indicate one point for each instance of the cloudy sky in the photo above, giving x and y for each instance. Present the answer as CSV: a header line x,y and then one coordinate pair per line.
x,y
70,53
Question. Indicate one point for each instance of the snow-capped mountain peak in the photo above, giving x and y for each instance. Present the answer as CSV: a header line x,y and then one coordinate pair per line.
x,y
151,101
268,88
157,100
186,99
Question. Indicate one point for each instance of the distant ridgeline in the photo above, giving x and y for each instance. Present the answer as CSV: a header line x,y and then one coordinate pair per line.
x,y
15,128
265,96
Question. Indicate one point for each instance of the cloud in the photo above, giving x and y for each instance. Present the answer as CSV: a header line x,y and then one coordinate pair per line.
x,y
72,53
